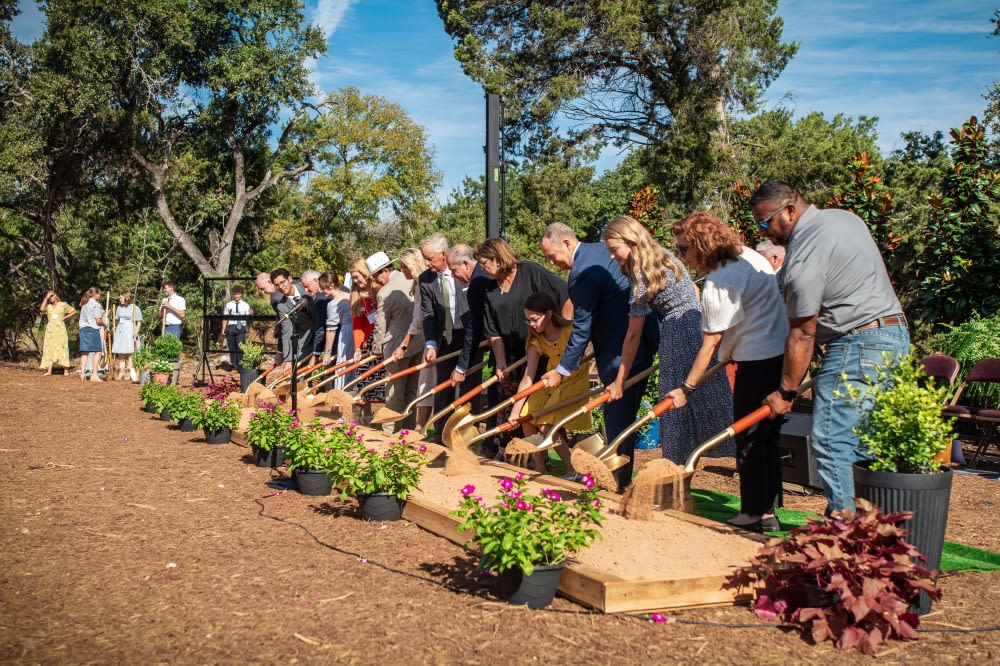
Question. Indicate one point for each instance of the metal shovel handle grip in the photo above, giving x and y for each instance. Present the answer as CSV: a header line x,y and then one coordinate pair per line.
x,y
745,423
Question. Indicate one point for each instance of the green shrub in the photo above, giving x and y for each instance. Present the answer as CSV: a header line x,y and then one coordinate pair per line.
x,y
970,342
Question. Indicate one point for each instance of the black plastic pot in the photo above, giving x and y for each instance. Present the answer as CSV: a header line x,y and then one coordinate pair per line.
x,y
185,425
247,377
926,495
219,436
272,458
165,414
536,591
314,481
380,506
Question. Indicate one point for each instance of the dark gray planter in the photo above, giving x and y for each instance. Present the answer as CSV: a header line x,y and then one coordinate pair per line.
x,y
926,495
219,436
380,506
314,481
535,591
247,377
272,458
165,414
186,425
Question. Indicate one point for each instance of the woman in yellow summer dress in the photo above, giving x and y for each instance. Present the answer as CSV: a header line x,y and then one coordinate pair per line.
x,y
55,348
548,333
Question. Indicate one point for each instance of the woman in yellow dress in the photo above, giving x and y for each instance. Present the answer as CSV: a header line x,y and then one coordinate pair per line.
x,y
548,333
55,347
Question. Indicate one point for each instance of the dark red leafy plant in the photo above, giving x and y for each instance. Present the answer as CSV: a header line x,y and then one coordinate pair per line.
x,y
221,390
850,578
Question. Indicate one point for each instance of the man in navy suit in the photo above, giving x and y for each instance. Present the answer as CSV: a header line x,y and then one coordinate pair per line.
x,y
445,308
600,295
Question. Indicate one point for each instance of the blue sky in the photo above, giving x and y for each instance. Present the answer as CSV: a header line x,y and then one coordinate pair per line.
x,y
916,64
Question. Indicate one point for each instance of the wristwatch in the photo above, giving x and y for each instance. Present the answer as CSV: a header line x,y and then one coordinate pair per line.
x,y
788,395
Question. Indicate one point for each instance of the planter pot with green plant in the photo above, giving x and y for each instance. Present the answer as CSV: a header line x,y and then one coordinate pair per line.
x,y
524,532
185,406
141,361
166,353
902,432
251,359
149,396
217,419
267,433
310,451
164,401
388,475
851,578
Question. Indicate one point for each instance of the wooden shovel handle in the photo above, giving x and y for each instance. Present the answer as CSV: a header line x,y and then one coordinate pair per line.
x,y
540,384
355,365
375,368
466,397
408,371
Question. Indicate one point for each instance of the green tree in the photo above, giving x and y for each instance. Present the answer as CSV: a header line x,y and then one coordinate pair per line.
x,y
375,182
626,71
193,91
959,271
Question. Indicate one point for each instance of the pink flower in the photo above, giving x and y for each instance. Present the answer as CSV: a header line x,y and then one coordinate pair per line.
x,y
519,476
404,433
479,499
327,450
597,504
371,450
515,494
506,483
658,618
587,481
422,448
522,506
554,496
468,489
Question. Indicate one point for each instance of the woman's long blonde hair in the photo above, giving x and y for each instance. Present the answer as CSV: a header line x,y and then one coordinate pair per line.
x,y
414,262
357,300
648,258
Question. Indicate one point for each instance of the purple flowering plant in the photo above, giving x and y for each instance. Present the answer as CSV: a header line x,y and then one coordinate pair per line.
x,y
270,425
394,470
217,414
525,530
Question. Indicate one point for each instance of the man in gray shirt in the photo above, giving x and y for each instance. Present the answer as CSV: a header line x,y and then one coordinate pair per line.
x,y
837,293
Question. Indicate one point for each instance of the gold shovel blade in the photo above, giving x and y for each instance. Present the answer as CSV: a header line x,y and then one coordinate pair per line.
x,y
386,415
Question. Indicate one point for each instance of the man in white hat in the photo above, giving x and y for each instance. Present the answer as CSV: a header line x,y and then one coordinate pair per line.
x,y
394,312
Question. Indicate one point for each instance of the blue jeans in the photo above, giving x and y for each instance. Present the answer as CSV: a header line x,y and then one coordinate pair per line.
x,y
834,443
172,329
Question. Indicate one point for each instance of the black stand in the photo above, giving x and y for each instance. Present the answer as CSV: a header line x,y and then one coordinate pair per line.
x,y
295,365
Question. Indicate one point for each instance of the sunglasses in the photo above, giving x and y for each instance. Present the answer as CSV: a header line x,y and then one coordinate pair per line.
x,y
764,223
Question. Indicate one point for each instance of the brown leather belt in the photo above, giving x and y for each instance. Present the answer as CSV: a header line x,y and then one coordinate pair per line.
x,y
882,322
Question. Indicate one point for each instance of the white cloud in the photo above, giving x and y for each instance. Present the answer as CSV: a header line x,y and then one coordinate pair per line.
x,y
329,14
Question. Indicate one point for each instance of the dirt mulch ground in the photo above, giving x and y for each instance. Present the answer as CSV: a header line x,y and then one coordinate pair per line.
x,y
125,541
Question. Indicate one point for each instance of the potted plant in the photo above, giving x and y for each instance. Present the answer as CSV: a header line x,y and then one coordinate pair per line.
x,y
184,407
166,352
851,578
382,479
141,361
902,432
252,357
164,400
217,419
149,396
267,433
527,538
309,451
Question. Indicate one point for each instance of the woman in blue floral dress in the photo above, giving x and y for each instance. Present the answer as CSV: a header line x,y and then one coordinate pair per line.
x,y
661,285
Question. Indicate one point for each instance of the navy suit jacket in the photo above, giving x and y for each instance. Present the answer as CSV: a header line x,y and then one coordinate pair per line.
x,y
432,308
600,295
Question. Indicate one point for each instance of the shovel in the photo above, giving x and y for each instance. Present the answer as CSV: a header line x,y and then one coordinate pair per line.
x,y
677,481
542,443
606,452
350,367
466,397
463,420
394,376
288,378
386,415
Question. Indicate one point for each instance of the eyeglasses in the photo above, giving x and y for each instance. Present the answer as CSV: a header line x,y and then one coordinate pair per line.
x,y
533,321
764,223
281,284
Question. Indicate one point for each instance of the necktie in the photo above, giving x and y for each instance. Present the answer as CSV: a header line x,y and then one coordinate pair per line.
x,y
446,297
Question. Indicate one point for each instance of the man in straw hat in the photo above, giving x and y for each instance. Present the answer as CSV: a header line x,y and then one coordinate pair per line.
x,y
393,314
